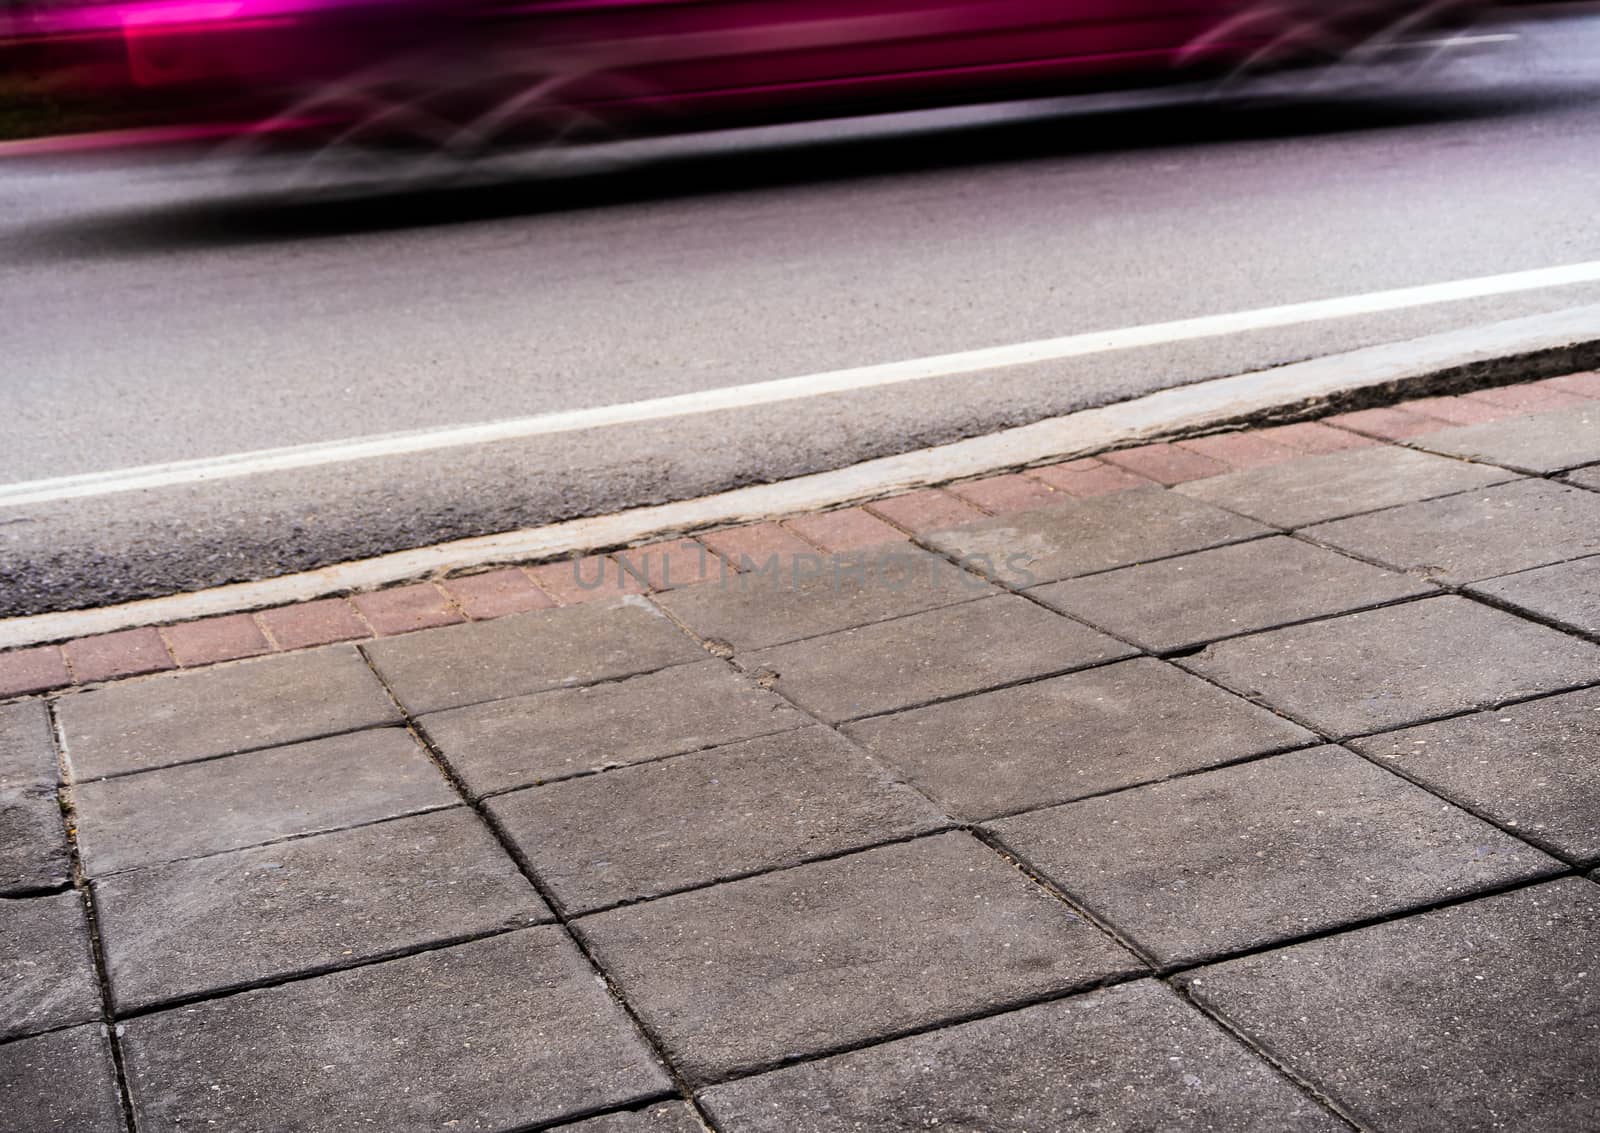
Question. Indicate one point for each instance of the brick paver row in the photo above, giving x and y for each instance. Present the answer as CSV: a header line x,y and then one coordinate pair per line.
x,y
789,855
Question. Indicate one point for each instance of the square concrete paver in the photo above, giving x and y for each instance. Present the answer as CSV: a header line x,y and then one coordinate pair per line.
x,y
554,735
47,978
1480,1016
831,593
260,796
1476,535
576,645
929,656
1244,856
1052,741
27,751
63,1082
1319,488
747,808
176,717
1091,535
1399,665
1566,593
664,1117
306,905
33,838
749,974
1182,602
1547,442
498,1034
1127,1058
1534,767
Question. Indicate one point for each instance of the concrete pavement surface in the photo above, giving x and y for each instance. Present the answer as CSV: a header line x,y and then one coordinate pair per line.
x,y
151,315
1247,786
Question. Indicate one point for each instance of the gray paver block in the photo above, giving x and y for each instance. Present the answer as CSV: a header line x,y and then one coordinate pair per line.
x,y
1547,442
63,1082
1587,478
554,735
1399,665
1484,1015
1177,603
747,808
1092,535
1476,535
244,800
1245,856
1056,740
1566,593
754,611
497,1034
47,979
667,1117
1126,1058
1320,488
524,653
927,656
1533,767
33,838
27,752
756,972
175,717
328,901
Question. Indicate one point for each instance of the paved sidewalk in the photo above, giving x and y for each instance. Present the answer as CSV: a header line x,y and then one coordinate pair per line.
x,y
1266,800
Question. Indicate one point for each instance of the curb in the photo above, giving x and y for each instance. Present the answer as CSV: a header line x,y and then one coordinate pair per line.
x,y
1519,350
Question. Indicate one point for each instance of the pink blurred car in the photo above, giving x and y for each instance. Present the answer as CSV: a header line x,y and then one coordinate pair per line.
x,y
466,75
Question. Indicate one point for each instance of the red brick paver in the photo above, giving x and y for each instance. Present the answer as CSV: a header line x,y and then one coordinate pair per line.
x,y
124,654
402,609
1315,438
1009,493
927,510
1387,424
675,563
849,529
1584,385
1166,464
589,579
216,639
756,542
1090,477
1240,450
33,670
1457,410
496,593
321,622
1531,398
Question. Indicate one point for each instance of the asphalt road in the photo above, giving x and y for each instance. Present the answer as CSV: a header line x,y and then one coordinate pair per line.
x,y
150,313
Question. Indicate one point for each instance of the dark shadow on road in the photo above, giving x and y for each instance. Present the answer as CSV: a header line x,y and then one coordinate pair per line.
x,y
698,167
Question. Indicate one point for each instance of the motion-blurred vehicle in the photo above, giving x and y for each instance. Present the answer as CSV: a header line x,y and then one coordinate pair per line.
x,y
460,78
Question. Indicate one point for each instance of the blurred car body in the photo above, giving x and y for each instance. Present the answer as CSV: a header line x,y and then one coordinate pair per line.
x,y
466,75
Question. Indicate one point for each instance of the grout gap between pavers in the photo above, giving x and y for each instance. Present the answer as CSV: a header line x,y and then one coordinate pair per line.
x,y
80,882
1304,1085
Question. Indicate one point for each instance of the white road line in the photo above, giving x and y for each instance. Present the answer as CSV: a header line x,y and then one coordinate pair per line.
x,y
786,389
